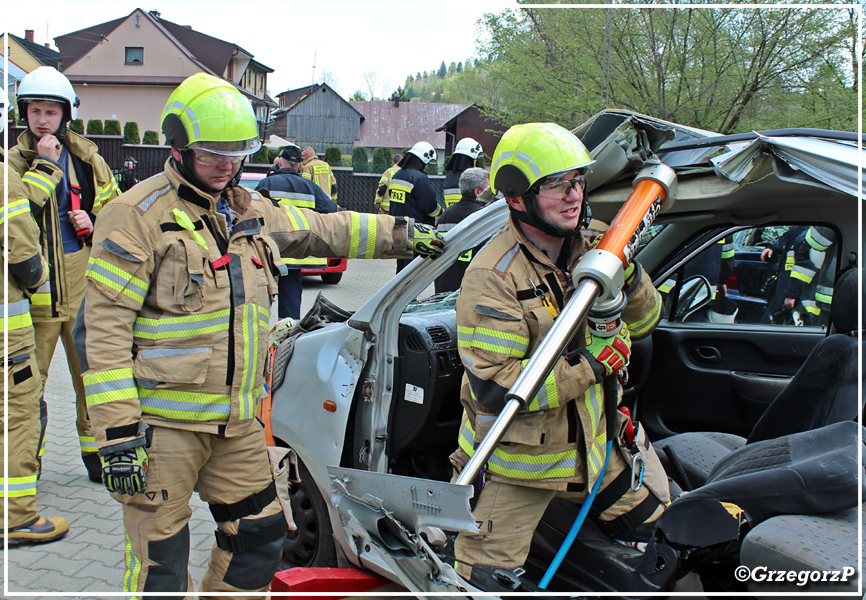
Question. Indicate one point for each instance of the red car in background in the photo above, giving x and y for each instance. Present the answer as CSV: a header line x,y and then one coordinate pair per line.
x,y
333,271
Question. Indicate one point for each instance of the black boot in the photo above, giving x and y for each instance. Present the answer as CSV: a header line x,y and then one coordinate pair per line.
x,y
93,466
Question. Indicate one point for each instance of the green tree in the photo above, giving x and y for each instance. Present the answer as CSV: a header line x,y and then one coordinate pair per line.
x,y
112,127
94,127
442,71
334,156
460,67
130,133
77,125
357,96
382,159
151,138
708,67
360,164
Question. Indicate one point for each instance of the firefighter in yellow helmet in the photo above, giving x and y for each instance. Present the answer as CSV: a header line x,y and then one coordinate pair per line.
x,y
319,172
65,211
512,292
174,337
27,270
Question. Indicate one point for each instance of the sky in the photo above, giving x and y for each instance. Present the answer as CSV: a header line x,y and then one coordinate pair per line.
x,y
390,39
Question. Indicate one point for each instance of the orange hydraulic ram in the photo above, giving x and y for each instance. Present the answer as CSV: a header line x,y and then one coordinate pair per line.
x,y
598,277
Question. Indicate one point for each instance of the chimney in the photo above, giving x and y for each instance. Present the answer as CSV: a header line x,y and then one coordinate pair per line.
x,y
28,35
396,99
155,13
47,45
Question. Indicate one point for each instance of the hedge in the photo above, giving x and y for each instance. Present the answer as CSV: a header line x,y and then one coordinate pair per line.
x,y
260,157
360,164
334,156
77,125
112,127
130,133
382,159
94,127
151,138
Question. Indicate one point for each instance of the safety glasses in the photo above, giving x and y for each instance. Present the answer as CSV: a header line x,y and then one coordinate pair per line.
x,y
211,159
562,187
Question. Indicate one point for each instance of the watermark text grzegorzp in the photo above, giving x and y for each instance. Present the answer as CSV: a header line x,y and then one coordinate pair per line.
x,y
801,577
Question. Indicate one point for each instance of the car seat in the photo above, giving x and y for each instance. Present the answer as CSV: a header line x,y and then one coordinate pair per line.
x,y
822,392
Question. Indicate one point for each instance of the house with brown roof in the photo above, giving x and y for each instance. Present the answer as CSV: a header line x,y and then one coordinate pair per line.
x,y
126,69
399,125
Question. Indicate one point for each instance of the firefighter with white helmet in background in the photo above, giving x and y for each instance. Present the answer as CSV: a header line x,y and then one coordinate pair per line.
x,y
27,270
512,292
65,210
465,155
174,338
410,193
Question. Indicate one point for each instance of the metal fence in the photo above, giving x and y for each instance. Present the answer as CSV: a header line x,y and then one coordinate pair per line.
x,y
355,191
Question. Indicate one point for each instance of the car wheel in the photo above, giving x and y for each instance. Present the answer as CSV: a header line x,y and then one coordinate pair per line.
x,y
312,543
332,278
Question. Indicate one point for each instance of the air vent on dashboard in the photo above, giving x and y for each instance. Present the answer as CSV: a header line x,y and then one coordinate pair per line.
x,y
438,334
415,342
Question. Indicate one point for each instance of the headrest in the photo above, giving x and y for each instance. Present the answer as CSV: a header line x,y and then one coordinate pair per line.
x,y
846,293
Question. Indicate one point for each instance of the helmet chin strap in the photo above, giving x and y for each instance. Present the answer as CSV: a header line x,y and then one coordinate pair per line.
x,y
187,172
532,217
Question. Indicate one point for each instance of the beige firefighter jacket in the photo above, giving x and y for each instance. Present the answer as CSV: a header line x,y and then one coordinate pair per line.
x,y
320,173
28,269
41,175
382,201
176,310
501,318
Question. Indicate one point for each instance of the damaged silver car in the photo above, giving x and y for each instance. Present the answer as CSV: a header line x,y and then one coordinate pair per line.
x,y
369,401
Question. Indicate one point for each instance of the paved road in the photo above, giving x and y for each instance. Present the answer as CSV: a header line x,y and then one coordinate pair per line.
x,y
88,562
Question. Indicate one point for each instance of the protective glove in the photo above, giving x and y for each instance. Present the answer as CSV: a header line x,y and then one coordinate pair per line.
x,y
611,353
426,241
125,471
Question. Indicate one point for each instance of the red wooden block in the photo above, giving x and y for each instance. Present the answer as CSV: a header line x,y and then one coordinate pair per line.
x,y
344,582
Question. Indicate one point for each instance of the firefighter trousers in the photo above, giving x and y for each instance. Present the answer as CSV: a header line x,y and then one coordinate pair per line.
x,y
25,410
48,332
507,514
224,471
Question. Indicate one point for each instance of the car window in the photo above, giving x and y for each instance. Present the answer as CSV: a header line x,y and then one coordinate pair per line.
x,y
775,275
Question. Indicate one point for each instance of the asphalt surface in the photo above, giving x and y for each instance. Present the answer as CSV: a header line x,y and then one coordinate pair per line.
x,y
89,561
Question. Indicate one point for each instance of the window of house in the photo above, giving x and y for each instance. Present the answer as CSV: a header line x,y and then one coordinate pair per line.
x,y
134,55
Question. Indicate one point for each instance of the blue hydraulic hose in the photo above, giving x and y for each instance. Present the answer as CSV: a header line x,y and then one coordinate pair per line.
x,y
575,527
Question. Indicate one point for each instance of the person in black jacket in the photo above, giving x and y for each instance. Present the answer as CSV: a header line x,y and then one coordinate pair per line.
x,y
411,194
465,154
126,177
289,188
473,183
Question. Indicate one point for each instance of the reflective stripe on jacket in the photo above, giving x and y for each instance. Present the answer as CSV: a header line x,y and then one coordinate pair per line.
x,y
289,188
175,325
382,200
27,267
320,173
411,195
41,176
501,319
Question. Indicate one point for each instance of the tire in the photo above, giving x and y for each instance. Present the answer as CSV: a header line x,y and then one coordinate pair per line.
x,y
312,543
332,278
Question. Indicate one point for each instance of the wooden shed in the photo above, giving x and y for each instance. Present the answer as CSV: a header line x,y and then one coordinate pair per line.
x,y
471,122
317,116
